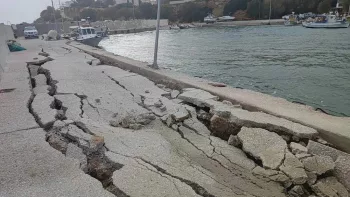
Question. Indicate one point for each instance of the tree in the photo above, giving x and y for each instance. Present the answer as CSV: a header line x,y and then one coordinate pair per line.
x,y
82,3
189,12
346,5
148,11
324,6
89,13
254,8
234,5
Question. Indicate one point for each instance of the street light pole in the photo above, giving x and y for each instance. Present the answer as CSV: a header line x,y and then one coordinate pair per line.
x,y
155,64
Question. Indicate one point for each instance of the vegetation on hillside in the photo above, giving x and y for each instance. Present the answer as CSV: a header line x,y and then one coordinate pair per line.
x,y
191,11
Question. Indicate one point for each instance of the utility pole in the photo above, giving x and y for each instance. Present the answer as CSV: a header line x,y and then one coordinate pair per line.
x,y
155,64
270,13
54,15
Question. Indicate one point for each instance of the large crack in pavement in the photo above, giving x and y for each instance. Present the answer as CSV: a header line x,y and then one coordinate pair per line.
x,y
98,165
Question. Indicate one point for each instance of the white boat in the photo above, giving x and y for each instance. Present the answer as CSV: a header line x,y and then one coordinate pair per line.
x,y
87,35
210,19
327,21
226,18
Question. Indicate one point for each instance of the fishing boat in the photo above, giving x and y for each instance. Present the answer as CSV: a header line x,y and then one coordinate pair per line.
x,y
327,21
86,35
210,19
226,18
291,20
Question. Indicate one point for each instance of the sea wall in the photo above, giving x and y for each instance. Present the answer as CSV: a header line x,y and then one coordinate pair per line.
x,y
6,33
131,25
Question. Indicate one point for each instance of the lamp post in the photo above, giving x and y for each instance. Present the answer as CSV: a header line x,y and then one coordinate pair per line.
x,y
155,64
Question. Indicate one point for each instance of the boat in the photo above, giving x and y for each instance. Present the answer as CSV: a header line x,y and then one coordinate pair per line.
x,y
86,35
210,19
327,21
291,20
226,18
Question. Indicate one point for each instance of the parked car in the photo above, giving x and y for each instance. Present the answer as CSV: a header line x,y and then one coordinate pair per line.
x,y
30,32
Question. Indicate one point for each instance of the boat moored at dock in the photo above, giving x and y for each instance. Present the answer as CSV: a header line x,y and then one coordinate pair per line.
x,y
327,21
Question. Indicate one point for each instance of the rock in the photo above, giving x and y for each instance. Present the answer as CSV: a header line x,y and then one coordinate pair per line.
x,y
296,191
46,89
316,148
96,143
329,187
178,101
220,127
77,153
127,120
234,141
40,80
273,175
114,123
311,178
197,97
181,115
174,94
294,169
318,164
297,148
33,69
295,138
215,84
41,106
227,102
342,170
263,145
222,113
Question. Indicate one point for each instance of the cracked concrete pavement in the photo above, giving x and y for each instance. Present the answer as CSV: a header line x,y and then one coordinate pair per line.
x,y
116,133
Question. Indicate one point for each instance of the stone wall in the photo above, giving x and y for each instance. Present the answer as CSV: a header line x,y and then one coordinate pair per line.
x,y
113,25
6,33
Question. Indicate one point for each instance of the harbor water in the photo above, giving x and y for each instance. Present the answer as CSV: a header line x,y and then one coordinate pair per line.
x,y
310,66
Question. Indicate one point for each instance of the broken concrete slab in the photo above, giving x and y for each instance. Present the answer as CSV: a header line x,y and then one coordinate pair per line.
x,y
342,170
77,153
72,104
174,94
221,127
241,117
294,169
318,164
42,109
194,124
77,135
329,187
40,80
181,115
33,70
196,96
40,170
42,89
263,145
39,60
320,149
273,175
297,148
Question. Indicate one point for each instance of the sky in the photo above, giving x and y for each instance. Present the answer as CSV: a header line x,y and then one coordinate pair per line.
x,y
17,11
